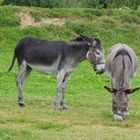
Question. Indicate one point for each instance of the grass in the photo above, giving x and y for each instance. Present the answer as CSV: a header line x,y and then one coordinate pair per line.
x,y
89,115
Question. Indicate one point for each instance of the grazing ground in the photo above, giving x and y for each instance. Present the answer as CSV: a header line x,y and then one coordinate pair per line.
x,y
89,115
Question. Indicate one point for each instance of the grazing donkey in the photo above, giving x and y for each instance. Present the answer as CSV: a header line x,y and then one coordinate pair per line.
x,y
56,57
121,65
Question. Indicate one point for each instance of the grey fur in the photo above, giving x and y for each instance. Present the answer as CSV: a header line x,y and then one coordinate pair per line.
x,y
56,57
121,65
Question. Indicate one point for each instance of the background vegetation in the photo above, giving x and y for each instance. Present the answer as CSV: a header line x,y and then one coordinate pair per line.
x,y
89,115
75,3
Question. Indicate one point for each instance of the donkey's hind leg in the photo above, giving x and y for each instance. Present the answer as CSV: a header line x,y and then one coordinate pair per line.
x,y
27,72
63,92
24,71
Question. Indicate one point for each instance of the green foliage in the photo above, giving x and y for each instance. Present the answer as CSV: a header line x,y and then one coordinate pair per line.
x,y
124,3
1,1
8,17
75,3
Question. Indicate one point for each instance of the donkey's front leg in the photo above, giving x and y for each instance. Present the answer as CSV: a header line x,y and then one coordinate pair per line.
x,y
59,89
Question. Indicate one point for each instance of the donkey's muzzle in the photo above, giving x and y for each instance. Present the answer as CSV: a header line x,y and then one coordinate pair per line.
x,y
100,68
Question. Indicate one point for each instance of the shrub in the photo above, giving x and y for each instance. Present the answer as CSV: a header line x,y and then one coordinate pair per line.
x,y
74,3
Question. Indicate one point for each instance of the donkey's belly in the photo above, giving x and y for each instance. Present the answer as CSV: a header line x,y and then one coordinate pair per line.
x,y
49,69
52,69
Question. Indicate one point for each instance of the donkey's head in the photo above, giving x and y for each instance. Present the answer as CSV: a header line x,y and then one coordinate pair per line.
x,y
95,54
120,101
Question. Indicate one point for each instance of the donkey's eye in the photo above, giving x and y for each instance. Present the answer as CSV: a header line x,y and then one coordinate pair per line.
x,y
97,53
125,104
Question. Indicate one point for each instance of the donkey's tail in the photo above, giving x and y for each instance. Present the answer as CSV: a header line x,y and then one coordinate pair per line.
x,y
12,64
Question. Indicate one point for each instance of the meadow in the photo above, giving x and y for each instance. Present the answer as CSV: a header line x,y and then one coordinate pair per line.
x,y
89,116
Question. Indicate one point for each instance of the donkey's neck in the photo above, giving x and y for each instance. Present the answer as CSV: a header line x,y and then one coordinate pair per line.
x,y
80,52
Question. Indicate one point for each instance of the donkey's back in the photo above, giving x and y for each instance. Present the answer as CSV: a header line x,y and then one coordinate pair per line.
x,y
121,65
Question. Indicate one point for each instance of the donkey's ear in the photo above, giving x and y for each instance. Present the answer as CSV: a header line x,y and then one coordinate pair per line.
x,y
96,41
129,91
86,39
112,90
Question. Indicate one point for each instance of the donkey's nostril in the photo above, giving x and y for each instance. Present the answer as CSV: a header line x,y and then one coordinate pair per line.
x,y
102,69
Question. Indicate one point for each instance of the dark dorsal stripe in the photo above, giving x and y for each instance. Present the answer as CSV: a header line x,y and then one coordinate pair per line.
x,y
123,52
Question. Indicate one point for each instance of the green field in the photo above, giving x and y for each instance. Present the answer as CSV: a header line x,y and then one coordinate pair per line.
x,y
89,115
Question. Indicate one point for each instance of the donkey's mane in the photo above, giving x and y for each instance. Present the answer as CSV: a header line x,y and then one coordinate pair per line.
x,y
78,38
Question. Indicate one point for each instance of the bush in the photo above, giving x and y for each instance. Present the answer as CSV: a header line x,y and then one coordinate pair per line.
x,y
124,3
1,1
75,3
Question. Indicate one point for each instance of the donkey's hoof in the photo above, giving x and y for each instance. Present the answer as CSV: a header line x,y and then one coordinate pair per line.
x,y
126,114
118,117
57,106
21,104
65,107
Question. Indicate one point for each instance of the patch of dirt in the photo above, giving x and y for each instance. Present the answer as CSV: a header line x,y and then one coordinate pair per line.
x,y
27,20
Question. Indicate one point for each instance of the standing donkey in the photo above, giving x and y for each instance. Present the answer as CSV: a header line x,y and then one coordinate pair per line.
x,y
56,57
121,65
